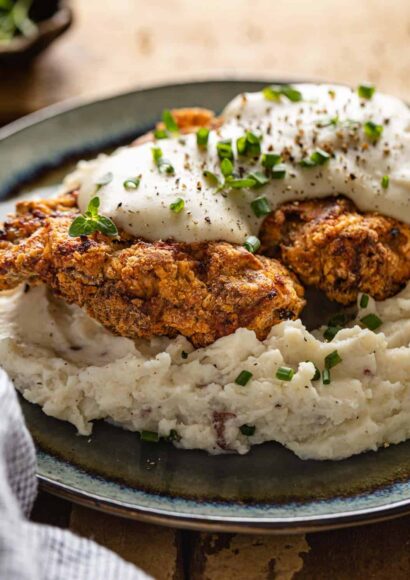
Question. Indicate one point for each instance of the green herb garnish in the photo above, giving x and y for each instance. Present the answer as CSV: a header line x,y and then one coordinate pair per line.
x,y
150,436
243,378
366,91
268,160
385,181
285,373
364,301
318,157
252,244
160,134
211,178
330,122
332,359
202,136
331,332
164,166
372,130
275,92
15,20
247,430
259,177
279,171
178,205
326,377
169,121
226,167
249,145
371,321
239,183
132,183
316,376
260,206
92,221
224,149
174,436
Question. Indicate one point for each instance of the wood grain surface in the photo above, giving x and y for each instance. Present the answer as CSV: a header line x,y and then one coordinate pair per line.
x,y
118,45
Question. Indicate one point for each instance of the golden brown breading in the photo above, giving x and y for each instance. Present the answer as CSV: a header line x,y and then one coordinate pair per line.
x,y
330,244
140,289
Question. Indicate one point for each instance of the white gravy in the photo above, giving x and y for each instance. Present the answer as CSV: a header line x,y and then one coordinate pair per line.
x,y
294,130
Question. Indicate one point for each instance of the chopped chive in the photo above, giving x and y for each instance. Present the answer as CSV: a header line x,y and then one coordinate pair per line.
x,y
275,92
160,134
372,130
272,93
240,183
316,376
326,376
174,435
150,436
385,181
259,177
253,144
184,354
366,91
332,359
132,183
169,121
165,166
285,373
226,167
104,179
252,244
249,144
224,149
291,93
268,160
371,321
331,332
211,178
279,171
247,430
156,154
243,378
338,319
202,136
364,301
260,206
318,157
178,205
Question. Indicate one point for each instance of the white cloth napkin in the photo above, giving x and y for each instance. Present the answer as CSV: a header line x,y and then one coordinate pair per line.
x,y
31,551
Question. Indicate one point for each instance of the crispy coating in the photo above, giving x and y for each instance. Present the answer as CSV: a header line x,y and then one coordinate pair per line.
x,y
330,244
140,289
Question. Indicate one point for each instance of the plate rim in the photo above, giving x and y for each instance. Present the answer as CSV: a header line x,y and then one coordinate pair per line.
x,y
162,516
230,524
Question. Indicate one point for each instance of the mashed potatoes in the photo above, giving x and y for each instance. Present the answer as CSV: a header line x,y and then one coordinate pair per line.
x,y
79,372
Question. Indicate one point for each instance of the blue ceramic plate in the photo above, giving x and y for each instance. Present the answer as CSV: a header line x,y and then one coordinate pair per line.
x,y
269,489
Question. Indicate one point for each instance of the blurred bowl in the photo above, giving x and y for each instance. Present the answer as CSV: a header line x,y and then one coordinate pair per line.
x,y
52,18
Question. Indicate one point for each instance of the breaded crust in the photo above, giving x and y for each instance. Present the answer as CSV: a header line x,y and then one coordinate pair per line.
x,y
333,246
141,289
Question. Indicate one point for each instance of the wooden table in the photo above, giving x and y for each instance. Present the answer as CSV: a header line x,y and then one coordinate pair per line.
x,y
120,44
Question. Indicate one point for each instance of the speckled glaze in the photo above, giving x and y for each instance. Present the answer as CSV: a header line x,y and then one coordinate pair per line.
x,y
269,489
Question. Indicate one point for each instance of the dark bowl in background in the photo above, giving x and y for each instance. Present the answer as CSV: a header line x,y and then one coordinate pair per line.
x,y
52,17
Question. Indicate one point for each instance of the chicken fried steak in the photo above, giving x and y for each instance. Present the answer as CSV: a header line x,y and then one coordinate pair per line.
x,y
140,289
333,246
